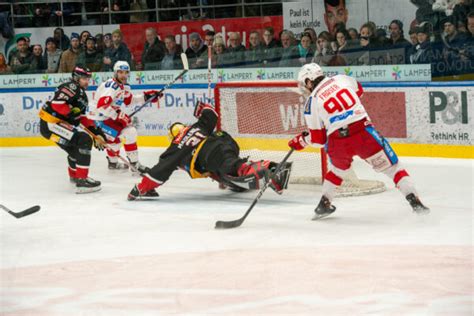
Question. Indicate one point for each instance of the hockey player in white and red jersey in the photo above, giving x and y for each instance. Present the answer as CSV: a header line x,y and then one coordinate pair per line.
x,y
337,119
108,111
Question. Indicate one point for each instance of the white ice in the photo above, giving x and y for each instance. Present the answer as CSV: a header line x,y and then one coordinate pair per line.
x,y
98,254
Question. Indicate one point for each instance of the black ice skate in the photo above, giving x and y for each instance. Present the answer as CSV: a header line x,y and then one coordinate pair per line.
x,y
416,204
324,209
87,185
136,195
116,165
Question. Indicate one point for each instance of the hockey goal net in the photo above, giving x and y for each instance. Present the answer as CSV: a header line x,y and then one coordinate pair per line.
x,y
263,116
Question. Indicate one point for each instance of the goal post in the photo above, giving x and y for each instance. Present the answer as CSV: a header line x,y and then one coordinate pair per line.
x,y
263,116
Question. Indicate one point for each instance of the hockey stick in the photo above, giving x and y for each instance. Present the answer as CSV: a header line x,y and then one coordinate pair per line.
x,y
184,59
125,161
238,222
21,214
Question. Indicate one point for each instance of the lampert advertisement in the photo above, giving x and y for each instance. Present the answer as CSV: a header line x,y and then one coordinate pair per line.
x,y
19,112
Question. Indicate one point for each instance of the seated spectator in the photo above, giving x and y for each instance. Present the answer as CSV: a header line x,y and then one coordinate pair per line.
x,y
5,69
314,37
219,56
90,57
342,46
254,55
153,50
353,34
21,59
235,50
83,37
69,57
62,41
271,48
398,42
289,51
470,24
117,51
324,52
99,43
305,50
52,56
38,65
196,52
424,53
107,41
172,57
367,42
209,38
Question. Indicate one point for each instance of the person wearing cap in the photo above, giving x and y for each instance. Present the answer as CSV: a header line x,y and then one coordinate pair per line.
x,y
52,55
424,53
21,59
453,40
117,51
90,57
69,56
196,52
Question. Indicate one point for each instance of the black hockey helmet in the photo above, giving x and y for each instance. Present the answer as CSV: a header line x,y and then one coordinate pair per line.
x,y
81,72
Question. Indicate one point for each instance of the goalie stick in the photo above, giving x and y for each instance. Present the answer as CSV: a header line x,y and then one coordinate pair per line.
x,y
238,222
21,214
184,59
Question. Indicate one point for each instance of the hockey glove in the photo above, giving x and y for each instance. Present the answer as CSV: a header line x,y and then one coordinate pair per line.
x,y
200,106
99,140
152,94
299,141
123,119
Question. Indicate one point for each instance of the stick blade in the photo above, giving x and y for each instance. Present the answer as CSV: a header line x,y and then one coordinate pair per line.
x,y
27,212
184,59
228,225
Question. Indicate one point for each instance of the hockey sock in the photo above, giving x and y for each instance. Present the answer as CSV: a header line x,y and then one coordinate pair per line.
x,y
332,181
132,152
147,184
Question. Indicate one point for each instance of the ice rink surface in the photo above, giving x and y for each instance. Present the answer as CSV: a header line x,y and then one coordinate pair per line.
x,y
98,254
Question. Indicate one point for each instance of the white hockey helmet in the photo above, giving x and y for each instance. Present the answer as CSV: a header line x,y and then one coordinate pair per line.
x,y
121,65
310,71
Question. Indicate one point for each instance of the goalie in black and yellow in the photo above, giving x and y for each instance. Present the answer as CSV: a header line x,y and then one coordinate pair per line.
x,y
203,152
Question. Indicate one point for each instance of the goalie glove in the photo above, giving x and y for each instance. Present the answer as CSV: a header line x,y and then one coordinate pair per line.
x,y
201,106
299,141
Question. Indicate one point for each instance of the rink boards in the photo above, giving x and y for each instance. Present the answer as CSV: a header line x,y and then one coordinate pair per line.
x,y
420,119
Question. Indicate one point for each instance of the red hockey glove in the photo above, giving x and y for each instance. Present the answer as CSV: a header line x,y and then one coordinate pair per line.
x,y
123,119
152,94
299,142
200,106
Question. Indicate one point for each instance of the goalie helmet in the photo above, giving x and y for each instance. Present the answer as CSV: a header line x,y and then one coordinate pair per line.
x,y
310,72
121,65
175,129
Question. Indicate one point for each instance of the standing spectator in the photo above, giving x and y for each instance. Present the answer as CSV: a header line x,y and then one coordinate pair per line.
x,y
172,58
90,57
219,57
462,9
38,65
254,55
69,57
353,34
414,42
52,56
141,15
398,43
342,49
120,5
453,42
83,37
235,50
424,52
367,43
209,38
196,52
324,52
21,59
107,41
470,23
117,51
153,50
41,15
4,67
289,51
305,50
271,48
62,41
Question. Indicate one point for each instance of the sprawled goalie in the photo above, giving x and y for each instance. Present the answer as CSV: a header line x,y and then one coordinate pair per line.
x,y
203,152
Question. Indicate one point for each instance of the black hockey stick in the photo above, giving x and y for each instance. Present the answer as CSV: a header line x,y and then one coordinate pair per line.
x,y
184,59
238,222
24,213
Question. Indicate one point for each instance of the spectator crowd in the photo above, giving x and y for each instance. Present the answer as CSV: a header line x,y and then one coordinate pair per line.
x,y
447,43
